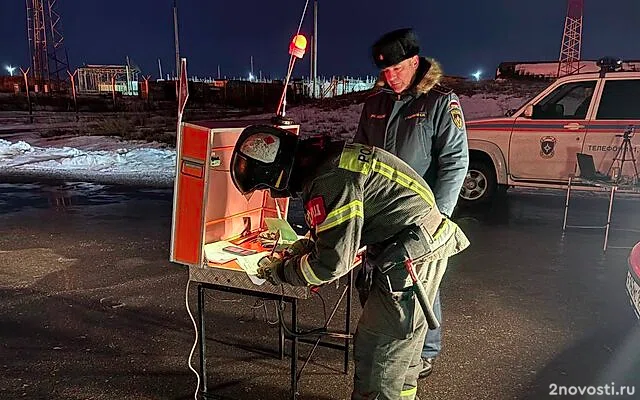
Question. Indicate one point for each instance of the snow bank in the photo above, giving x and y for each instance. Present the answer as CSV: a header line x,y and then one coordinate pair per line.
x,y
154,166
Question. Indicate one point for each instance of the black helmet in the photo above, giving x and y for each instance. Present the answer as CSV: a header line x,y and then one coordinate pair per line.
x,y
262,159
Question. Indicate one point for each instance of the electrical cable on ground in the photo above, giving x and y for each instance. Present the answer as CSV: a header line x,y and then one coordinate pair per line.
x,y
195,343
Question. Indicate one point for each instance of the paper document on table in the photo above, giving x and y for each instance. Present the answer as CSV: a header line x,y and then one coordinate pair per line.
x,y
250,265
287,234
214,253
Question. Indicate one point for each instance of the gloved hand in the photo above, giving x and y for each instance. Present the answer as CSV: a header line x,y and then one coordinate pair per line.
x,y
300,247
271,269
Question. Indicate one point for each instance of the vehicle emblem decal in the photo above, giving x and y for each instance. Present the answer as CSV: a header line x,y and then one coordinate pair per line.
x,y
547,146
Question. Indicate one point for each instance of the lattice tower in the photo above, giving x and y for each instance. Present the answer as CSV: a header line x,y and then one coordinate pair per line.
x,y
49,60
569,62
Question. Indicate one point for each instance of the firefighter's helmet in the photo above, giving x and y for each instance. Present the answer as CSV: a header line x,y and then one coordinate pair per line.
x,y
263,159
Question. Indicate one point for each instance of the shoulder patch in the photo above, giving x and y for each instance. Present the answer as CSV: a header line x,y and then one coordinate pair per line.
x,y
456,113
315,213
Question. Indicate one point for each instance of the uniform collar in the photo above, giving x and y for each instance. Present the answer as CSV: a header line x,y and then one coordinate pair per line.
x,y
428,74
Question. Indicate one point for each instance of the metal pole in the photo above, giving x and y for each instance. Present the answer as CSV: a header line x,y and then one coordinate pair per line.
x,y
159,69
113,89
26,85
177,42
146,86
128,68
73,92
315,45
311,67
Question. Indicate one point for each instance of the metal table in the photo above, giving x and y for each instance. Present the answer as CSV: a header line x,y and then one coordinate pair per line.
x,y
237,281
610,186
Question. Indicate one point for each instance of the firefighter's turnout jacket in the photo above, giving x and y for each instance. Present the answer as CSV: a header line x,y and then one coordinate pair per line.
x,y
365,196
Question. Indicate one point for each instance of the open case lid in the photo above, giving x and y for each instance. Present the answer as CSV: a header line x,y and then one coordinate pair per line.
x,y
207,205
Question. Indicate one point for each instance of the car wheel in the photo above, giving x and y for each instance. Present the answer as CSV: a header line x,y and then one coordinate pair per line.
x,y
479,185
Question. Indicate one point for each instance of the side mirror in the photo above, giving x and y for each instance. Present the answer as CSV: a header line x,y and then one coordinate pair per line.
x,y
528,111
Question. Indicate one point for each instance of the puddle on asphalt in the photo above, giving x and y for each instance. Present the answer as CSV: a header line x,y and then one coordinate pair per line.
x,y
20,196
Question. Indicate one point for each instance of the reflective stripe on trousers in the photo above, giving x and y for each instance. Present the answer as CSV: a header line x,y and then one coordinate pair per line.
x,y
409,394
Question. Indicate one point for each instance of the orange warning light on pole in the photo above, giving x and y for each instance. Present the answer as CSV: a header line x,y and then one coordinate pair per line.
x,y
298,46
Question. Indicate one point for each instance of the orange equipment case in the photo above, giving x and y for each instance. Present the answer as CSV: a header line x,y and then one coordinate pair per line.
x,y
208,208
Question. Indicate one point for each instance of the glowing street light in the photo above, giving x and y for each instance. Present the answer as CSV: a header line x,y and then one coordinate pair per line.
x,y
10,69
477,75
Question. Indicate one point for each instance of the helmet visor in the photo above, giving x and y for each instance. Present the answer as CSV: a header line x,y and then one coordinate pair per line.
x,y
249,174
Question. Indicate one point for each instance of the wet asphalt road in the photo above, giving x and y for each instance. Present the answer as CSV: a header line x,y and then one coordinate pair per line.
x,y
90,307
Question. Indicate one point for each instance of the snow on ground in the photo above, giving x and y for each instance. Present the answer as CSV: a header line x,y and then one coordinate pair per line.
x,y
148,166
110,160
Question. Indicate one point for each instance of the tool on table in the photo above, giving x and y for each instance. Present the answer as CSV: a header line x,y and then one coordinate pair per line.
x,y
275,244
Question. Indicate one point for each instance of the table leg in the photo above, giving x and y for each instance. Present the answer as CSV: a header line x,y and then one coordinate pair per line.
x,y
566,205
347,328
294,350
282,337
606,234
201,334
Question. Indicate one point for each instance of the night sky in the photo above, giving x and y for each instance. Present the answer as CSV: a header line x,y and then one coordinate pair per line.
x,y
464,35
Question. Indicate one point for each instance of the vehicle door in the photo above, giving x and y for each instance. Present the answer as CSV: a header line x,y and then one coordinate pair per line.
x,y
545,140
617,111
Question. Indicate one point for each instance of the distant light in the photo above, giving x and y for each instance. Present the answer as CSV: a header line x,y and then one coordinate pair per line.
x,y
477,75
251,77
10,69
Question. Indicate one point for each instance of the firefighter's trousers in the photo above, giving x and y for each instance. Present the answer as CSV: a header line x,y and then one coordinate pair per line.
x,y
391,332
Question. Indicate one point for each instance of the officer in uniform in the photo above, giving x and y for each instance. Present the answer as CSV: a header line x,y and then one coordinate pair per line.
x,y
357,195
412,115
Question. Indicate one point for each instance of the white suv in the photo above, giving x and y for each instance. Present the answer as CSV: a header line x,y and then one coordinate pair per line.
x,y
536,145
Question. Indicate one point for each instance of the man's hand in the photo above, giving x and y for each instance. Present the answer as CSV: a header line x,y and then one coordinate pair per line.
x,y
300,247
271,269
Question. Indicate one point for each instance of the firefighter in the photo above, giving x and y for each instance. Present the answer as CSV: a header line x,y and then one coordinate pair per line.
x,y
356,195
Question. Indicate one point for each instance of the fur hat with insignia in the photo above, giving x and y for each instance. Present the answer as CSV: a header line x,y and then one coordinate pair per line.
x,y
394,47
